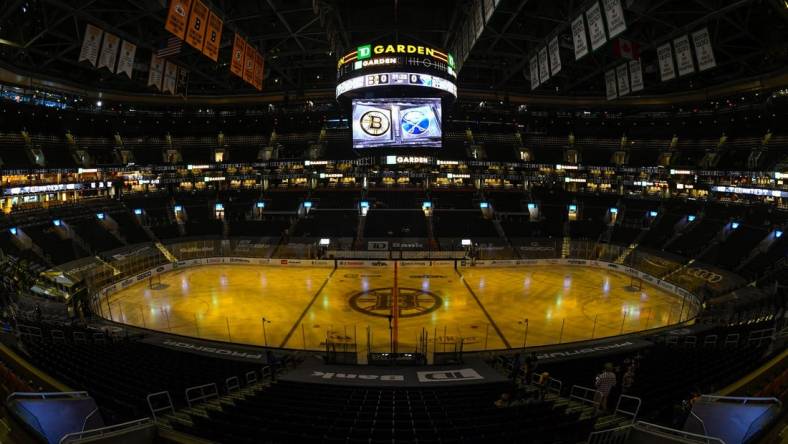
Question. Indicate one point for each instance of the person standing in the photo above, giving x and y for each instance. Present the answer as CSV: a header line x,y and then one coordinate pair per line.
x,y
604,383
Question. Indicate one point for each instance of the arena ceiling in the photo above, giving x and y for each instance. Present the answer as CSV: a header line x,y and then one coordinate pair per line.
x,y
301,39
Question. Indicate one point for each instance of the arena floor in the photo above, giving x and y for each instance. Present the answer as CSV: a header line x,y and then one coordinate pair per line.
x,y
488,308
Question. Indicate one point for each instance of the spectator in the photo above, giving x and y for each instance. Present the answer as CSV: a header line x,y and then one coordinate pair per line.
x,y
503,401
530,367
628,380
541,384
604,383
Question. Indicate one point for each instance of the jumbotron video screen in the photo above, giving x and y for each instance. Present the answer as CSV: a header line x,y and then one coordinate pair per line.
x,y
397,122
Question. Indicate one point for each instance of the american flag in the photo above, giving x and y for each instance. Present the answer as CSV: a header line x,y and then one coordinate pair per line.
x,y
171,48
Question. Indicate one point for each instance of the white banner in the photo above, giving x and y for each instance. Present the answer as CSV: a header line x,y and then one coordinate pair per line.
x,y
544,65
703,50
610,84
126,58
109,51
579,36
622,76
615,17
683,55
534,63
636,75
555,56
90,44
596,27
156,71
170,78
665,56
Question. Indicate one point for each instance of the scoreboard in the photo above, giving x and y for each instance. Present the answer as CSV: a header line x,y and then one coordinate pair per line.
x,y
397,65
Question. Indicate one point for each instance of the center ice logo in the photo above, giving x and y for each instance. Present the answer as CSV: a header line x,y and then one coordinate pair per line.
x,y
411,302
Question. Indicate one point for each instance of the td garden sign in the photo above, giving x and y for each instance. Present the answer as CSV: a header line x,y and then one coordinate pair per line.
x,y
396,54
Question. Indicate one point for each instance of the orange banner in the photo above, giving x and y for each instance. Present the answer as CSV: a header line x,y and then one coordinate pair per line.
x,y
249,64
237,61
213,37
198,22
177,17
258,71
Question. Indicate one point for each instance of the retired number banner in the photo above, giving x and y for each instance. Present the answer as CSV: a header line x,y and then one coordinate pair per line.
x,y
544,65
623,80
258,70
109,51
156,72
126,59
615,17
555,56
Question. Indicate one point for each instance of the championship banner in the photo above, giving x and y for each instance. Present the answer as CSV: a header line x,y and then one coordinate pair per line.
x,y
109,51
90,44
610,84
555,56
534,63
703,50
156,72
596,28
615,17
257,79
683,55
177,17
665,56
635,76
623,80
249,64
544,68
237,61
170,78
198,22
126,59
213,37
579,36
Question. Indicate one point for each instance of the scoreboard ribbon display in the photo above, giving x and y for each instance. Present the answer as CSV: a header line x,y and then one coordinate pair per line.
x,y
367,57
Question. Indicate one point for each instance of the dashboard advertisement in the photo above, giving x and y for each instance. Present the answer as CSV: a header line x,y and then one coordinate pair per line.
x,y
412,122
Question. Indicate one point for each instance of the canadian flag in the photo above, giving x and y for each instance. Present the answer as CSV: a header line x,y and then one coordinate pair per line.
x,y
625,49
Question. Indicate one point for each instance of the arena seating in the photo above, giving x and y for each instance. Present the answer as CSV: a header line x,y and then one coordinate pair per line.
x,y
120,372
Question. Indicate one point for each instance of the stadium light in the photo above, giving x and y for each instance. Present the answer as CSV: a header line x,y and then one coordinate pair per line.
x,y
426,204
364,204
465,242
14,231
778,233
100,216
572,207
57,222
734,225
178,208
484,205
325,241
138,211
99,103
691,218
219,206
614,210
260,204
652,213
531,206
307,204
